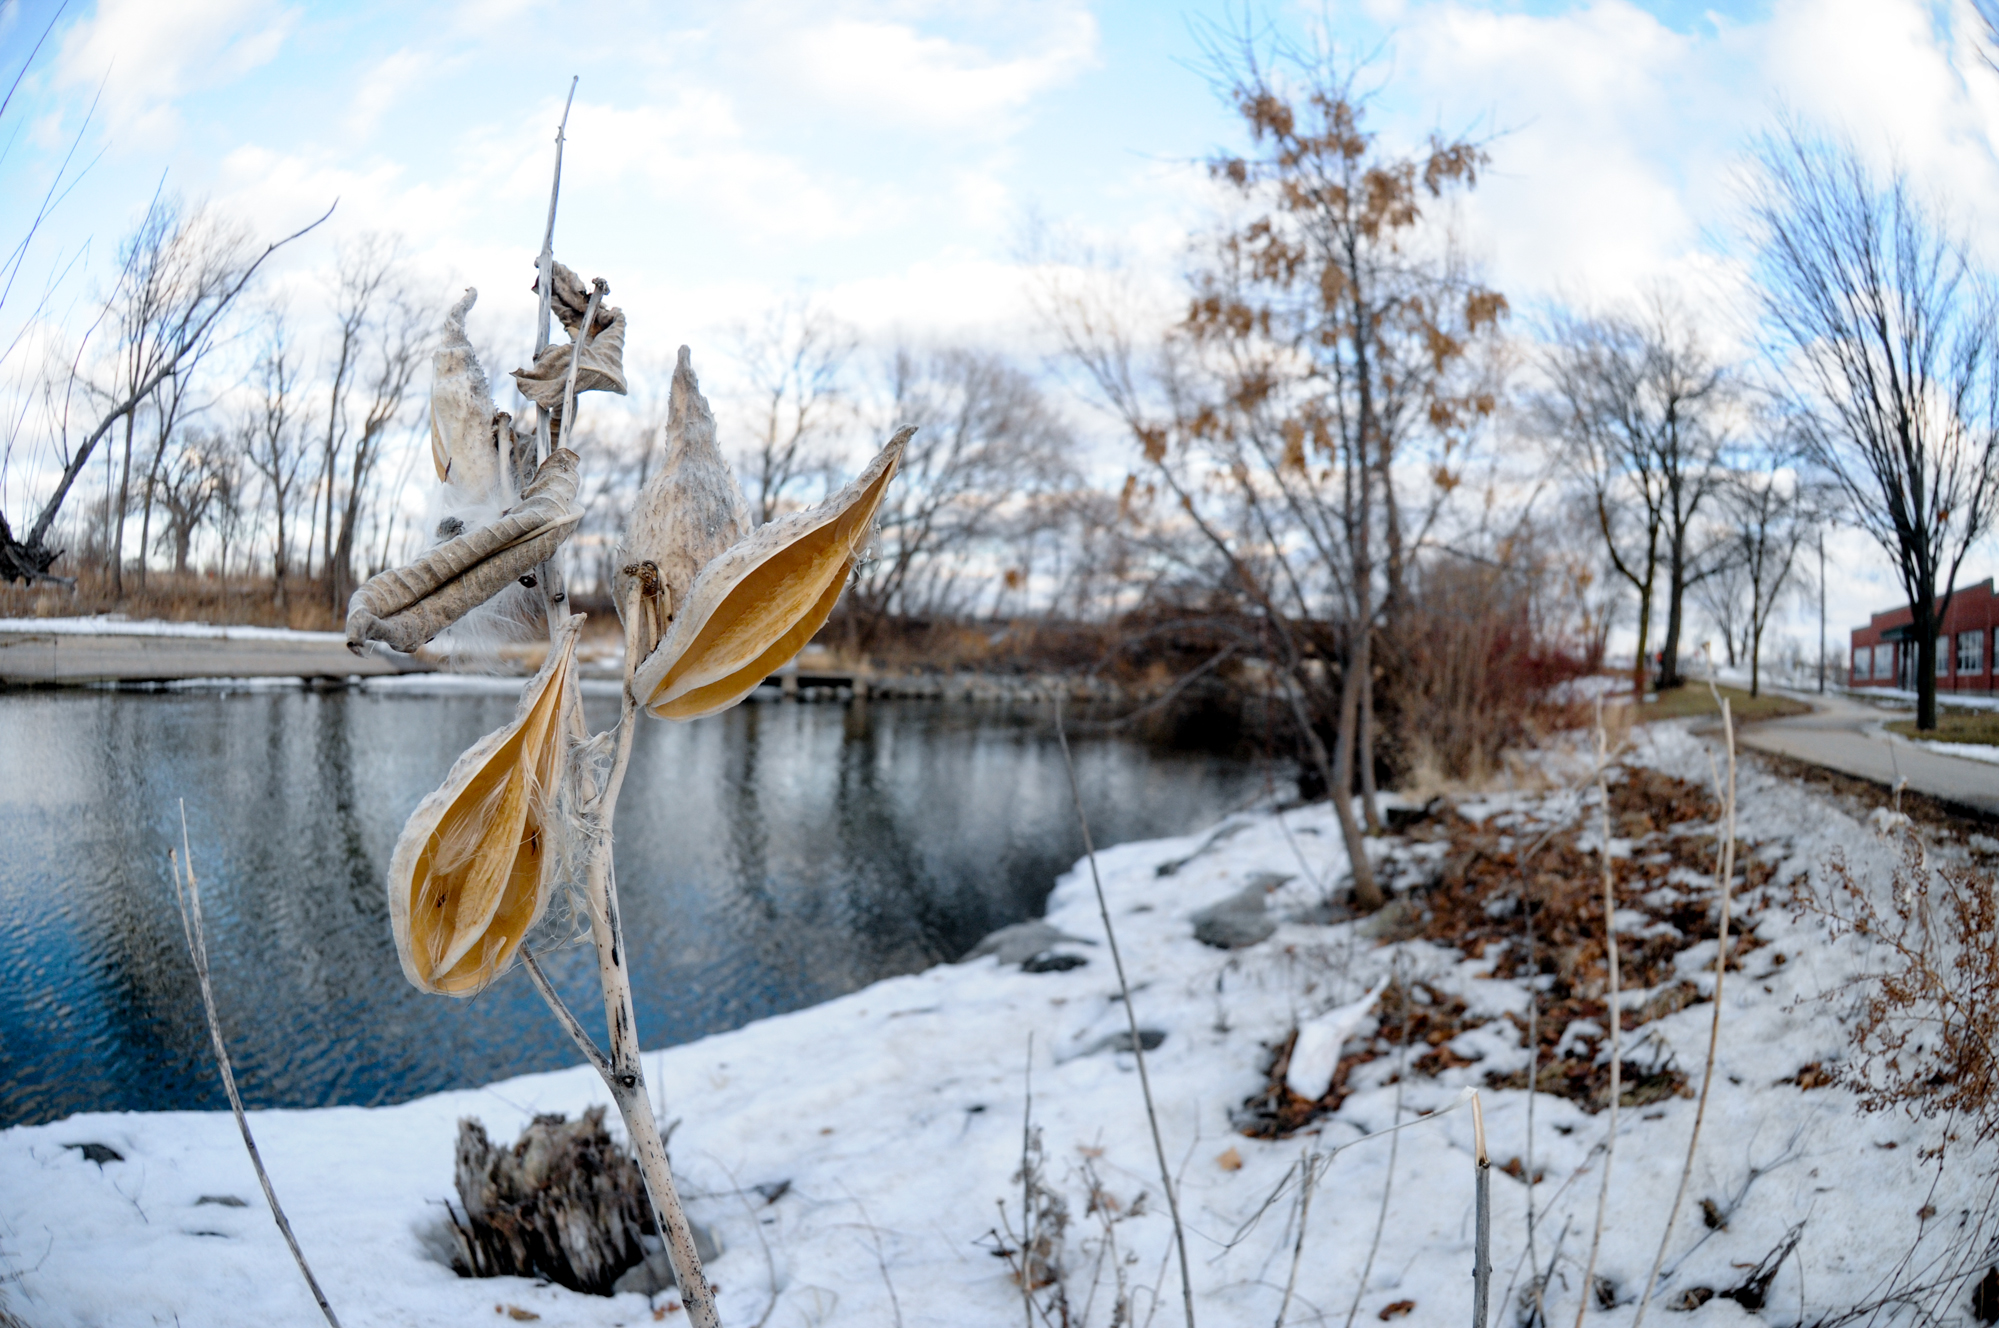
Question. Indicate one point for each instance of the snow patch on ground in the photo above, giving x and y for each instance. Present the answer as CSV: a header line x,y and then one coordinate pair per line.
x,y
895,1115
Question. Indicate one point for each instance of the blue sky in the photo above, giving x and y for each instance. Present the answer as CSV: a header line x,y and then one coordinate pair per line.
x,y
887,156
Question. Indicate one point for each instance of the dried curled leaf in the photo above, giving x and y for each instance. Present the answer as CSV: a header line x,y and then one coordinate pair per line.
x,y
689,512
474,865
407,606
758,603
463,445
603,364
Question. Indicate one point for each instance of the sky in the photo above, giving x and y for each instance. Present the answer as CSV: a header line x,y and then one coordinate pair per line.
x,y
892,159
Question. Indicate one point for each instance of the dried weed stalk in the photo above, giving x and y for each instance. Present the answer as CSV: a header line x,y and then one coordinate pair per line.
x,y
1926,1029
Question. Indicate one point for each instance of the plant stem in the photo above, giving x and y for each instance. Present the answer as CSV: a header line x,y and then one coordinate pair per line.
x,y
189,899
1481,1265
622,1070
1725,871
1131,1021
1616,1064
555,603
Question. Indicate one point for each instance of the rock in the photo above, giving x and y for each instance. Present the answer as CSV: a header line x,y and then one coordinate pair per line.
x,y
1053,962
1148,1038
226,1200
98,1153
1021,942
1240,920
654,1273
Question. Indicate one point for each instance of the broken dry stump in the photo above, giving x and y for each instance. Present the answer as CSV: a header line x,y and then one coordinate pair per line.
x,y
565,1203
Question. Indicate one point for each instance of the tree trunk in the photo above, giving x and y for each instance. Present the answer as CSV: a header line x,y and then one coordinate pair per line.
x,y
1669,649
1365,891
118,521
1755,660
1639,666
1926,661
1368,795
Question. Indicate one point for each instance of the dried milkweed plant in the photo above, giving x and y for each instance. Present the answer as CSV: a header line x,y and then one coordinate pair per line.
x,y
1925,1029
516,843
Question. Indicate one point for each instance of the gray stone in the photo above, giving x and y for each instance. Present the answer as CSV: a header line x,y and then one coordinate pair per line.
x,y
1238,921
1021,942
654,1273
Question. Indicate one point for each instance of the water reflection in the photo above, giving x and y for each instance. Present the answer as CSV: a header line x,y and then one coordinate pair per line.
x,y
768,858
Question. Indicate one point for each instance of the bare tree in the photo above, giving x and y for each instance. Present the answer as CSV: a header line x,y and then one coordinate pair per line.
x,y
1772,515
187,486
272,443
1885,341
177,267
181,328
380,337
988,442
796,359
1641,406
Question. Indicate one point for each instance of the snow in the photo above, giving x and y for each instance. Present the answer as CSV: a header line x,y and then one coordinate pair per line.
x,y
112,624
896,1115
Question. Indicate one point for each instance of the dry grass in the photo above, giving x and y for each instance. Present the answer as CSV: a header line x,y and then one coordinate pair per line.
x,y
1690,702
194,597
1955,725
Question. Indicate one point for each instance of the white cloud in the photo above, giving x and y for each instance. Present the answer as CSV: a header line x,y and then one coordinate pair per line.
x,y
150,54
894,73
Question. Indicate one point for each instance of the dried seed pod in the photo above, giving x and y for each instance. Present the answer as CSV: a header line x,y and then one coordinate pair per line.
x,y
474,865
462,442
690,510
407,606
757,604
602,368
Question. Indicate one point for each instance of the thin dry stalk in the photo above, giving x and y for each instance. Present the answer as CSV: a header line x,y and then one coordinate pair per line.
x,y
1387,1185
549,575
1309,1169
622,1070
1131,1019
1725,878
188,897
1027,1190
1481,1265
1610,999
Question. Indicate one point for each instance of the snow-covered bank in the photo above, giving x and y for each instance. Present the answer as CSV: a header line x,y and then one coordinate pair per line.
x,y
895,1116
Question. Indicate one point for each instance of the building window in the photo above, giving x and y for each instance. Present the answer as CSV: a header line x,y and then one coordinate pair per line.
x,y
1971,652
1943,656
1884,662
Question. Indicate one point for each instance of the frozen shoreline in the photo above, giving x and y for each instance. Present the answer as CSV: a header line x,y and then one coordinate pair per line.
x,y
895,1113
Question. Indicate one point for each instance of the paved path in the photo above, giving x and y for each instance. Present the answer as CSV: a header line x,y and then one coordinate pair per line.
x,y
69,651
1846,735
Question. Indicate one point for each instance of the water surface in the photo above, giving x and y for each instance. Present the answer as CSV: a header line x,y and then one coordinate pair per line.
x,y
768,858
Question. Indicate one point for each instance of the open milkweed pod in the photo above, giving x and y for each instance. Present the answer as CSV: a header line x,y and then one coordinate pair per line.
x,y
474,865
690,510
407,606
602,368
756,604
463,445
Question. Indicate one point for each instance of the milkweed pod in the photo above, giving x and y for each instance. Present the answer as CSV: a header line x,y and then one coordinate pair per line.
x,y
407,606
603,362
758,603
462,443
474,866
690,510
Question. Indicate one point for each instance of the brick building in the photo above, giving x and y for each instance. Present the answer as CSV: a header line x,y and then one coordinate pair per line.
x,y
1884,651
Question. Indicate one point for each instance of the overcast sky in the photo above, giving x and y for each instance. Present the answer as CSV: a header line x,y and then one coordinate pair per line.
x,y
889,156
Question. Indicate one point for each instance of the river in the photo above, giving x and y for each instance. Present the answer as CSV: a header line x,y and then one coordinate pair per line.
x,y
768,858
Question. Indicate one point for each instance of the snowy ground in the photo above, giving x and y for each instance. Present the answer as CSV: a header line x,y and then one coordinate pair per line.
x,y
895,1114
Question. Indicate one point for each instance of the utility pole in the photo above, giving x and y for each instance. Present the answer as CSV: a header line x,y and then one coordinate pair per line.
x,y
1821,608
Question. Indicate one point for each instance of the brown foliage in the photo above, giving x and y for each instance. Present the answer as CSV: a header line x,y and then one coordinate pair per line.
x,y
1926,1035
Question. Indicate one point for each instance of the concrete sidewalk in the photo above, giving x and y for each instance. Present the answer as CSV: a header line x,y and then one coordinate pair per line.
x,y
1846,735
67,651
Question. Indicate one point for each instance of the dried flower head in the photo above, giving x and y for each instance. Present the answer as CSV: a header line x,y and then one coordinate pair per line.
x,y
463,444
406,606
474,866
601,367
756,603
690,511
